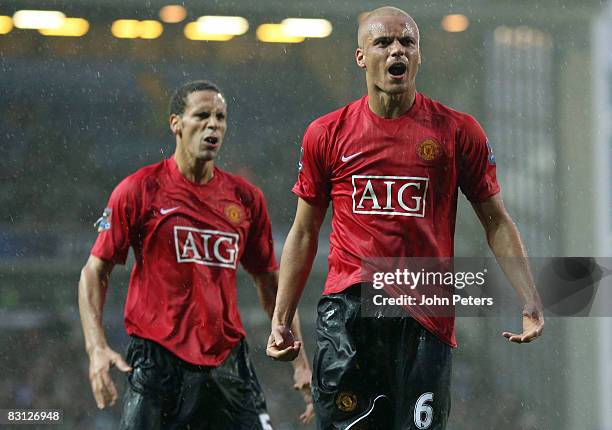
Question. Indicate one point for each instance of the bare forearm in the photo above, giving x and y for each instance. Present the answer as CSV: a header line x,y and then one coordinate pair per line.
x,y
92,294
267,287
505,243
302,358
298,254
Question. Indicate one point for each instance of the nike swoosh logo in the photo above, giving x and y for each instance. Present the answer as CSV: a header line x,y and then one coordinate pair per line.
x,y
166,211
350,157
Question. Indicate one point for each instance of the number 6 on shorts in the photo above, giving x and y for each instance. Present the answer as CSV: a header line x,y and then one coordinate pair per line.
x,y
423,413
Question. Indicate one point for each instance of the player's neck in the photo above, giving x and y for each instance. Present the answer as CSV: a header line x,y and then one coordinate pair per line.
x,y
390,105
194,170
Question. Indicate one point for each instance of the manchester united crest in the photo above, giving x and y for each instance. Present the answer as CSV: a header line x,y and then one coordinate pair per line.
x,y
346,401
234,213
429,150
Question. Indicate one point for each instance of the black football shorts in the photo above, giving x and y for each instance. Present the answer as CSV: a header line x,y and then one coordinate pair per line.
x,y
165,392
377,373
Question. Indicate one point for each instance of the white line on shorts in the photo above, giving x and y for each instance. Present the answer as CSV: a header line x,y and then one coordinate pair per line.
x,y
366,414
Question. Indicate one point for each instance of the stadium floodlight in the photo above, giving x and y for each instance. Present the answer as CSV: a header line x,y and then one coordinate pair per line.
x,y
233,25
300,27
126,28
522,36
38,19
150,29
134,29
172,13
275,33
6,24
455,23
72,27
503,35
194,31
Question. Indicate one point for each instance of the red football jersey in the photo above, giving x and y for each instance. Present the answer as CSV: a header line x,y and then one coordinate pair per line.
x,y
188,239
393,184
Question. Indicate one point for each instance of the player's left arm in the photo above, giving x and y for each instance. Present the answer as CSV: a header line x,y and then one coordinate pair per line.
x,y
505,243
267,285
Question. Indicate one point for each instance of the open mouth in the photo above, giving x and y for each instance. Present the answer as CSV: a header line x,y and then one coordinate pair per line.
x,y
211,140
397,69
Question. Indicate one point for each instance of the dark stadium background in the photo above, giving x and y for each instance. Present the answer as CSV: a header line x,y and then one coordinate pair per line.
x,y
79,114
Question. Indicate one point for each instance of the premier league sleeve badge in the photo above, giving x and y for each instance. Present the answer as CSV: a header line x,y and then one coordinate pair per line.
x,y
103,223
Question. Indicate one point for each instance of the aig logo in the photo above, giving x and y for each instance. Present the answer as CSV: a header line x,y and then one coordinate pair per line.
x,y
389,195
207,247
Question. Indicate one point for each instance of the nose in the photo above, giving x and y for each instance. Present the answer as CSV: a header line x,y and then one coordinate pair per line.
x,y
397,49
213,122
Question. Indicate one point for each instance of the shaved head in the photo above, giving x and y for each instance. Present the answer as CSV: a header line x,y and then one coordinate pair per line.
x,y
368,23
389,52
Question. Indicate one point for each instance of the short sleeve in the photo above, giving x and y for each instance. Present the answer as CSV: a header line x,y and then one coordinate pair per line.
x,y
476,163
312,183
258,256
118,223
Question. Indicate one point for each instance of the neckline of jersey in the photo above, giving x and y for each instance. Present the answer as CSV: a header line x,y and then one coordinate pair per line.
x,y
410,113
174,170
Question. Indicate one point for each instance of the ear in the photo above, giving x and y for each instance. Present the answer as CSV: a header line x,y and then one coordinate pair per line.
x,y
360,58
175,124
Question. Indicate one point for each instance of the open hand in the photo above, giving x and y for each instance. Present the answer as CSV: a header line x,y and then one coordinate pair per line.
x,y
102,386
302,376
533,326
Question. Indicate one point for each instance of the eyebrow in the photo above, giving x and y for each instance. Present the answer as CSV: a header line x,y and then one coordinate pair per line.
x,y
387,36
209,112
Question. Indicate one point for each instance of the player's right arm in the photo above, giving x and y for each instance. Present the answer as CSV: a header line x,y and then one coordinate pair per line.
x,y
298,255
92,294
117,225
